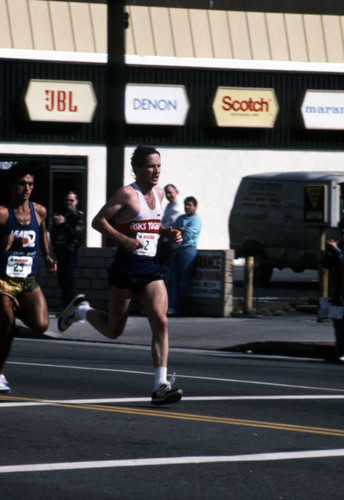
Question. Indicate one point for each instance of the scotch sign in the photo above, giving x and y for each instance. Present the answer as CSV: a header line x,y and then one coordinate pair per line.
x,y
245,107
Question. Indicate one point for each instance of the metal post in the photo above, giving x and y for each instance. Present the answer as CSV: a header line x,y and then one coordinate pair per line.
x,y
115,95
248,284
322,272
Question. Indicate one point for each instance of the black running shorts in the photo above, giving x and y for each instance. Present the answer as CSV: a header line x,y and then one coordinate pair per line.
x,y
135,282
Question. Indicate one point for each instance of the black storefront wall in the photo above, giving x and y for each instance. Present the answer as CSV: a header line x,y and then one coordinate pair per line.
x,y
288,132
14,77
199,131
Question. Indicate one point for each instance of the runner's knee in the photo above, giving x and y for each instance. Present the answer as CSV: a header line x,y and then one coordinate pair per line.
x,y
40,326
159,322
115,332
115,328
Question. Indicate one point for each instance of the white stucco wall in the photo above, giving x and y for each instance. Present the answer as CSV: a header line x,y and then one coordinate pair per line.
x,y
213,176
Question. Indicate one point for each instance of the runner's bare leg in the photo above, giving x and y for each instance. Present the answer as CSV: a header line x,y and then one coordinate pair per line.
x,y
112,324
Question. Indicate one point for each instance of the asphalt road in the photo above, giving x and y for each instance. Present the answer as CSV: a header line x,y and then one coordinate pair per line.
x,y
79,424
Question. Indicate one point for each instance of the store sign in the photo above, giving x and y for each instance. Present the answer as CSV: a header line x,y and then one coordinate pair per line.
x,y
207,280
156,104
245,107
60,101
323,110
315,203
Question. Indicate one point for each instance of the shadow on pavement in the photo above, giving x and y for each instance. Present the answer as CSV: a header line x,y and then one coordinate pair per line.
x,y
320,350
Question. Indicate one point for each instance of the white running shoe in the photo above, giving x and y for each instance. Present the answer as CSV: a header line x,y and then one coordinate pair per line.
x,y
67,317
4,387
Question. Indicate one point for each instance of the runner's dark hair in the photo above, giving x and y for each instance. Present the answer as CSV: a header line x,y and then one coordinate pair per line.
x,y
19,170
140,154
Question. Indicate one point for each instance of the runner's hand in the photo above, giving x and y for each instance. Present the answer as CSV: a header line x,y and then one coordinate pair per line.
x,y
173,234
51,265
132,245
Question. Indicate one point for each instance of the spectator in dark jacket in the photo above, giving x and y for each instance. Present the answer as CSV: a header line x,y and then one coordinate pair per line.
x,y
67,236
334,260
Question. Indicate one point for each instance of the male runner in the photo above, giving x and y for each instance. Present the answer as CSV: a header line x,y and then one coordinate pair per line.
x,y
22,232
135,269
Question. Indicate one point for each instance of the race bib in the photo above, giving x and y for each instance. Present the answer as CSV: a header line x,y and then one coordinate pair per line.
x,y
150,242
19,267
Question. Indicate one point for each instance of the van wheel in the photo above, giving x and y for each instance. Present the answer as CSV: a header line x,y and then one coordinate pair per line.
x,y
262,272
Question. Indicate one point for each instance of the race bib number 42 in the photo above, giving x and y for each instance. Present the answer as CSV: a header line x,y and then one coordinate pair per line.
x,y
19,267
150,244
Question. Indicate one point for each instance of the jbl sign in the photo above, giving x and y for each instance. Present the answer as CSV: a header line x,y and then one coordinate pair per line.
x,y
60,101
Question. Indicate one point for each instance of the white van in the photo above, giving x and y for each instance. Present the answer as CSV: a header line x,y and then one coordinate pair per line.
x,y
276,217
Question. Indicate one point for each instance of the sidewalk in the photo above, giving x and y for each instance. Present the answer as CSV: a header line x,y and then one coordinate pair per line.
x,y
291,334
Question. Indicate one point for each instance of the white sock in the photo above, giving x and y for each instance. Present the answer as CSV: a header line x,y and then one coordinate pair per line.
x,y
81,311
160,376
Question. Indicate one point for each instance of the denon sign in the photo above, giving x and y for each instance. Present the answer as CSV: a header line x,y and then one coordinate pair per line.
x,y
245,107
156,104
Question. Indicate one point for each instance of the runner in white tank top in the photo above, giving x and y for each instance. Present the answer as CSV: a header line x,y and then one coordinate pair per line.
x,y
136,267
145,227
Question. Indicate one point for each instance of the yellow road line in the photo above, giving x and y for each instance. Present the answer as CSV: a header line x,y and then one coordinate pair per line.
x,y
156,412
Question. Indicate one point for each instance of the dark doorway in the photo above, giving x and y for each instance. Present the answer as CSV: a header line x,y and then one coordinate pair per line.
x,y
63,180
54,177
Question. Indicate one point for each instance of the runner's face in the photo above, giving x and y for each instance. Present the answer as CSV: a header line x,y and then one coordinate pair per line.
x,y
22,188
150,172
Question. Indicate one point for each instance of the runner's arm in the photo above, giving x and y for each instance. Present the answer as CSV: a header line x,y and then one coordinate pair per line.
x,y
44,240
120,200
5,241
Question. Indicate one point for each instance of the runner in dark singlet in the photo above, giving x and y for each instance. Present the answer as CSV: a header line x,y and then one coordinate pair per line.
x,y
22,233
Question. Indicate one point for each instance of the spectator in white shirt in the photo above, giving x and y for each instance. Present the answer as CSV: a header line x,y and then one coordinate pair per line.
x,y
174,208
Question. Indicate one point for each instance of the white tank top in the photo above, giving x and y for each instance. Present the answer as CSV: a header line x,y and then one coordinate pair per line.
x,y
145,212
145,226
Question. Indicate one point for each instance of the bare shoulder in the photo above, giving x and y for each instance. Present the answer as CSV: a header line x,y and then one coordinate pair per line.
x,y
160,192
40,210
126,194
120,202
121,197
3,215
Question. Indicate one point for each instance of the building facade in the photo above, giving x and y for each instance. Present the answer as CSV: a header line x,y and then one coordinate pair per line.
x,y
221,91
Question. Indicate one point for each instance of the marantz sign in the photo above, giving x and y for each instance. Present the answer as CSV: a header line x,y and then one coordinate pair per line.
x,y
156,104
323,110
245,107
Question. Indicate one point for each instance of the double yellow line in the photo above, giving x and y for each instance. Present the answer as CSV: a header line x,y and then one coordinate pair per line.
x,y
159,413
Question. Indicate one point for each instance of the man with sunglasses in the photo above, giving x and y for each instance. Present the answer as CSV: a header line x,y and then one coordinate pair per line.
x,y
67,236
22,233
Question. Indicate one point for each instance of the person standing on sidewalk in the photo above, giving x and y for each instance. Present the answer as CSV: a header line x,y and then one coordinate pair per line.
x,y
22,233
184,257
334,260
66,235
135,269
174,208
